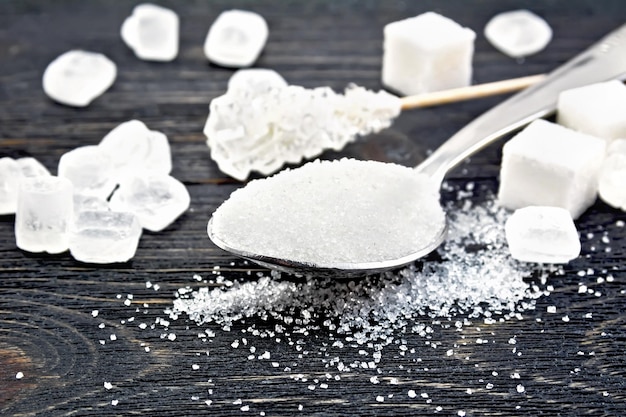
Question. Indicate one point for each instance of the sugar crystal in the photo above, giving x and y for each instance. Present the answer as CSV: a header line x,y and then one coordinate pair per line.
x,y
255,81
77,77
132,147
151,31
265,126
89,169
10,174
518,33
333,212
542,234
31,167
156,199
236,38
44,214
104,237
89,203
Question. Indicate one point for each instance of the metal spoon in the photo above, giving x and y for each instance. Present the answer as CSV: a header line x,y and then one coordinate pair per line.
x,y
603,61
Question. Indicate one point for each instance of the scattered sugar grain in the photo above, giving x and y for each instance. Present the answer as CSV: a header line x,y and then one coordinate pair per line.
x,y
19,375
108,385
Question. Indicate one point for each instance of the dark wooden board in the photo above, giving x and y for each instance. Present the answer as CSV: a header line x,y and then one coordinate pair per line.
x,y
47,330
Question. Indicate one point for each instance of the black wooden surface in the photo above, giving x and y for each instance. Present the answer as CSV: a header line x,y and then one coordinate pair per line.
x,y
47,330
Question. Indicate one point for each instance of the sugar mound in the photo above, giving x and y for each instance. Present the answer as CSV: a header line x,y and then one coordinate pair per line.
x,y
612,182
77,77
104,237
152,32
542,234
236,38
132,147
333,212
518,33
268,124
156,199
475,276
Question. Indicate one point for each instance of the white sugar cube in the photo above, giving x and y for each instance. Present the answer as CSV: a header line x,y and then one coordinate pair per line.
x,y
542,234
44,214
133,147
77,77
104,237
549,165
151,31
236,38
595,109
612,183
89,169
425,53
518,33
10,174
156,199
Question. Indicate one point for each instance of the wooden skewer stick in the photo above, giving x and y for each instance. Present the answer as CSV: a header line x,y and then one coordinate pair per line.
x,y
466,93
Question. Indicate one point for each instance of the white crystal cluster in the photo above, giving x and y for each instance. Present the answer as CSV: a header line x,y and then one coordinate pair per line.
x,y
100,201
261,123
518,33
151,31
77,77
565,165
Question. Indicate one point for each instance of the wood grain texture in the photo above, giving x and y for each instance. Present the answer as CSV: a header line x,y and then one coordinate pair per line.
x,y
48,331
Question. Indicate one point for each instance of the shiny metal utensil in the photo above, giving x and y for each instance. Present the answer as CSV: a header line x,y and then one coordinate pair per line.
x,y
603,61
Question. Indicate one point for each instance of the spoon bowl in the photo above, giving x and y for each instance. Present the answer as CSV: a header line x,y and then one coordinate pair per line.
x,y
603,61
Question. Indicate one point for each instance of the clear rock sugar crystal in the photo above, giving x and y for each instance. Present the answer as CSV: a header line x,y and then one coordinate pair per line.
x,y
333,212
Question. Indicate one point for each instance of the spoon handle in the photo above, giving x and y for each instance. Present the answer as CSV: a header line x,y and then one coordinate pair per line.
x,y
603,61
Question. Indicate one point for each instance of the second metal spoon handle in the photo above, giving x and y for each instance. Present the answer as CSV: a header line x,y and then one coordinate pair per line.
x,y
603,61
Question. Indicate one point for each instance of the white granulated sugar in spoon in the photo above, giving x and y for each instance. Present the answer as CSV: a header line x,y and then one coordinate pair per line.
x,y
518,33
319,226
